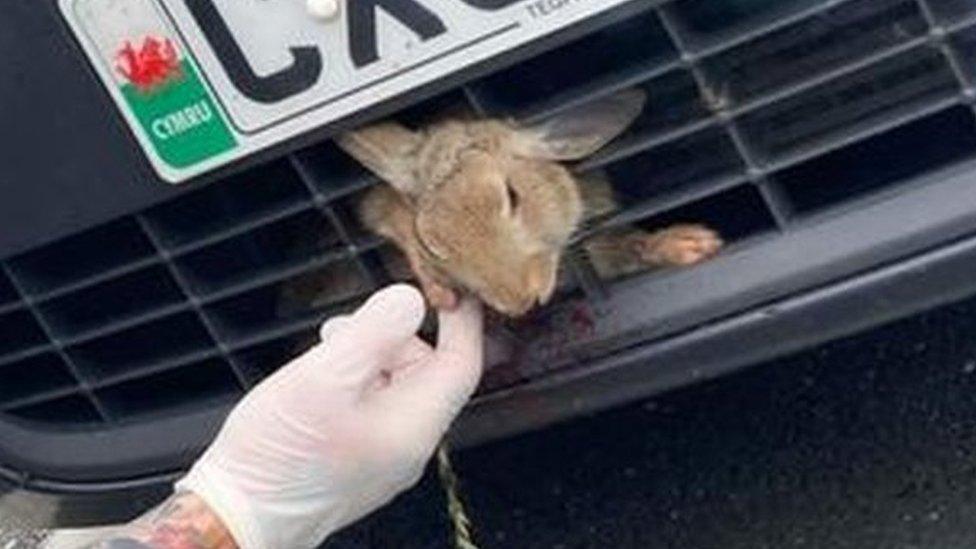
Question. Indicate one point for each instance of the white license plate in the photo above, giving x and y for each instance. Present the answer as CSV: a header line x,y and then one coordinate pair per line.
x,y
203,83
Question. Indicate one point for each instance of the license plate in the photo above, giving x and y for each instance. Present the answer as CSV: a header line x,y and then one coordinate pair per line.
x,y
203,83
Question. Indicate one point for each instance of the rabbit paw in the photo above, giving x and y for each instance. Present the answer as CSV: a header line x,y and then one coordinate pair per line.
x,y
679,245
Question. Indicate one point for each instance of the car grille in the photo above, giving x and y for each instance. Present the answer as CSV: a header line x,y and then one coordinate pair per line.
x,y
764,115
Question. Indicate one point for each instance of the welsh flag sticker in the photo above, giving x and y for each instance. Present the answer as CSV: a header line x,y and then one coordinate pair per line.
x,y
156,81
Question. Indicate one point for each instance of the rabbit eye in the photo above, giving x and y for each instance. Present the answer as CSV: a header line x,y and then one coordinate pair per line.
x,y
513,197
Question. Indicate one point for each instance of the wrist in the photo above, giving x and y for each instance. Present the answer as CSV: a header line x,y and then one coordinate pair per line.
x,y
259,519
207,484
184,521
190,522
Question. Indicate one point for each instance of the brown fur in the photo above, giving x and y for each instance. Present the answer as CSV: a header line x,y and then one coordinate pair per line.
x,y
487,207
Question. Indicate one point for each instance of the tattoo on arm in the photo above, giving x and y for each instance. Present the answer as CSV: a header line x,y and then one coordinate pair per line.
x,y
183,521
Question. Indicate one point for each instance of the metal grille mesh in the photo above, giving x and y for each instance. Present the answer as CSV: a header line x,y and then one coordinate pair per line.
x,y
764,113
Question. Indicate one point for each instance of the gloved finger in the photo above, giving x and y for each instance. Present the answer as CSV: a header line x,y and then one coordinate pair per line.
x,y
434,392
389,318
461,337
460,354
458,357
371,338
333,328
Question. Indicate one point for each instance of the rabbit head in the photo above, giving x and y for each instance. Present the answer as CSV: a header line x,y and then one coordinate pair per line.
x,y
490,207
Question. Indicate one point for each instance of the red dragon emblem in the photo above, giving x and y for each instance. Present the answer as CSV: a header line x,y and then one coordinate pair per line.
x,y
154,63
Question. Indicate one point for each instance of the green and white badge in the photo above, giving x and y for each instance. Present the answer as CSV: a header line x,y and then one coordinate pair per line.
x,y
159,88
203,83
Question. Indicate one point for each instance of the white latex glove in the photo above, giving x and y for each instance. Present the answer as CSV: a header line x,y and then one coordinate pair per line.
x,y
344,428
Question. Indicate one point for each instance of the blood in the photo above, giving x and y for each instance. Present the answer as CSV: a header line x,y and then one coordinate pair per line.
x,y
151,65
583,321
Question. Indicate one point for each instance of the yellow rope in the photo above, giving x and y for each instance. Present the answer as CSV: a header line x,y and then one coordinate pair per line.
x,y
455,506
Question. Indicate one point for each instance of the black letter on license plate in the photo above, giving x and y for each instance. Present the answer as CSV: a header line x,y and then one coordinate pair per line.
x,y
490,4
362,25
303,73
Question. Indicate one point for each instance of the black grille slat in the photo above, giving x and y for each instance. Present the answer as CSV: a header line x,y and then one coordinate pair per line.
x,y
264,250
196,385
20,331
709,28
594,90
739,125
685,114
677,165
868,165
316,294
739,213
180,278
66,410
819,79
342,220
8,294
114,327
258,222
780,204
10,307
25,353
664,202
278,332
113,247
40,374
830,112
950,11
228,207
328,174
717,101
554,79
281,272
675,103
861,134
951,55
38,322
164,341
97,278
617,152
838,38
963,44
122,301
149,370
38,398
265,358
710,96
636,145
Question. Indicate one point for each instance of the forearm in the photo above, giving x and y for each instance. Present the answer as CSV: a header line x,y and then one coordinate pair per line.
x,y
183,521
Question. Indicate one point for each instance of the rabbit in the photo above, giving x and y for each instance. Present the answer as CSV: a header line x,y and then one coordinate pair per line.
x,y
488,207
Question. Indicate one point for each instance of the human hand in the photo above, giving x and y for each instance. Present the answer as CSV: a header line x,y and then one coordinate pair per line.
x,y
344,428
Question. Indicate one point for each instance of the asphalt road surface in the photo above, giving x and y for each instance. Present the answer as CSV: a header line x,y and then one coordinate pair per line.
x,y
867,442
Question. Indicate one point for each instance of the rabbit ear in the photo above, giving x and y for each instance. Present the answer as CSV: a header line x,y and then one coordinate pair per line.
x,y
581,131
389,150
